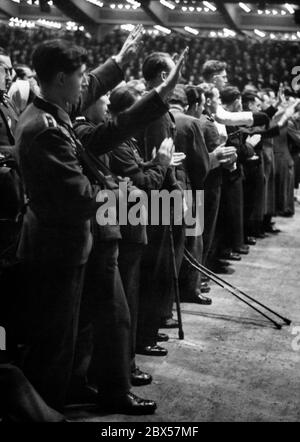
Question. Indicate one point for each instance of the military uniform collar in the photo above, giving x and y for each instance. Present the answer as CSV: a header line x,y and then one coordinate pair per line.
x,y
208,115
57,112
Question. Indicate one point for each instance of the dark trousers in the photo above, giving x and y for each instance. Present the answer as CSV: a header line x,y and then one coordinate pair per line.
x,y
190,278
53,311
254,195
230,224
269,162
284,180
104,326
130,256
157,284
19,401
212,197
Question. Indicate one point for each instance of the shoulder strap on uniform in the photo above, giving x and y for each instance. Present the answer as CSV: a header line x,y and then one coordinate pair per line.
x,y
49,120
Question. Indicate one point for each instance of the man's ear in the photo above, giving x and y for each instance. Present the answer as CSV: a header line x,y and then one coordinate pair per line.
x,y
164,76
60,79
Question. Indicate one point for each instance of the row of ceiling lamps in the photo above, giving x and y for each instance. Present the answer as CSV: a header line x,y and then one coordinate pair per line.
x,y
16,22
208,6
131,4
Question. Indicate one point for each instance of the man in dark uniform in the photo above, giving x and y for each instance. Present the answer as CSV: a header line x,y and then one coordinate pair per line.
x,y
56,235
11,190
191,175
156,68
104,303
213,182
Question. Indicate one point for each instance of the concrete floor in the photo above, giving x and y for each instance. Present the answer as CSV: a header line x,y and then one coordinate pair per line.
x,y
233,365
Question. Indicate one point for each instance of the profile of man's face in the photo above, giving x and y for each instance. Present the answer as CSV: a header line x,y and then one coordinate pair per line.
x,y
170,65
220,80
5,63
72,84
255,106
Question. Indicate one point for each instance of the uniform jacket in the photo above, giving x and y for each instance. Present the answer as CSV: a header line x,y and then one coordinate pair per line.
x,y
108,135
127,161
56,226
212,140
189,139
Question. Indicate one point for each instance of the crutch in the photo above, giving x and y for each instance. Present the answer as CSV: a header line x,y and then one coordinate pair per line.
x,y
176,284
231,289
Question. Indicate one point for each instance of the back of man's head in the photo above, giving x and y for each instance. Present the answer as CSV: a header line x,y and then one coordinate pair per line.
x,y
154,64
247,98
122,98
229,94
211,68
208,89
54,56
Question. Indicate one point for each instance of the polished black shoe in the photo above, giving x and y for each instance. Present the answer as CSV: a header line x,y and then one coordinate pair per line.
x,y
162,337
83,395
204,287
198,298
126,404
152,350
222,262
260,235
169,323
250,241
243,250
140,378
221,270
272,229
231,256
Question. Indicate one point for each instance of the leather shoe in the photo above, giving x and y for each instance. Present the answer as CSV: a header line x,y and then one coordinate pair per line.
x,y
169,323
231,256
243,250
204,287
198,298
162,337
250,241
260,235
152,350
221,270
272,229
128,403
139,378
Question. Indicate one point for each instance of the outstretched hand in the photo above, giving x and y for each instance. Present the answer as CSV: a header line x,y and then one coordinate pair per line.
x,y
131,46
166,88
164,154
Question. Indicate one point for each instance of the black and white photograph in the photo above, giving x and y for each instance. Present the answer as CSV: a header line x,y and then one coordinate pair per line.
x,y
149,216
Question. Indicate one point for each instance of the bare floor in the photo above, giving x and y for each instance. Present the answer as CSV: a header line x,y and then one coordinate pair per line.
x,y
233,365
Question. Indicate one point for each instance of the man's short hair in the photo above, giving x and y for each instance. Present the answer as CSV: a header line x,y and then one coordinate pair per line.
x,y
229,94
20,71
247,98
54,56
179,96
208,89
154,64
122,98
194,94
3,51
211,68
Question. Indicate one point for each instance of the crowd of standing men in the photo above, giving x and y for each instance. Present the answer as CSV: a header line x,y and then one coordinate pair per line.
x,y
93,295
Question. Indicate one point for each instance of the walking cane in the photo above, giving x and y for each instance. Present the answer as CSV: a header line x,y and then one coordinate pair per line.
x,y
176,285
232,289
